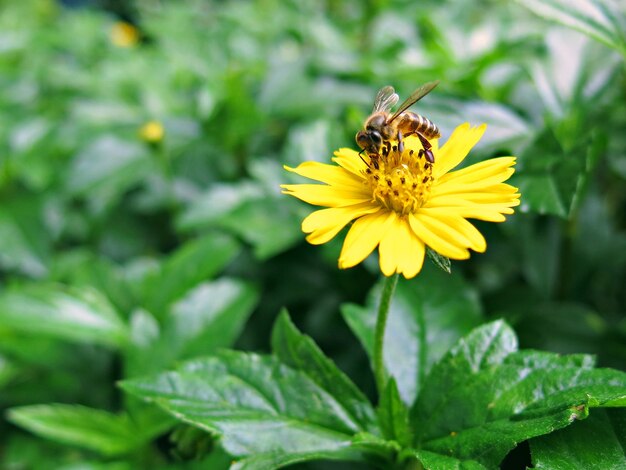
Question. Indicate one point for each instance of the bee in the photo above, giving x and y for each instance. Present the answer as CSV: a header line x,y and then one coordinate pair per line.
x,y
381,126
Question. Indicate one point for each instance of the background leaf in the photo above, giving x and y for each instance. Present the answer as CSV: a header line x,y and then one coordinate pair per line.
x,y
65,313
600,19
97,430
193,263
211,316
24,243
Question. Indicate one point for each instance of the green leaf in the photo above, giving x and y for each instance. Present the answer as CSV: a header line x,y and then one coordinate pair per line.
x,y
194,262
484,397
255,403
504,124
556,183
207,209
103,432
61,312
268,224
424,321
24,240
192,443
578,97
393,415
596,443
432,461
211,316
107,168
83,268
600,19
364,448
8,370
440,261
275,460
27,451
300,352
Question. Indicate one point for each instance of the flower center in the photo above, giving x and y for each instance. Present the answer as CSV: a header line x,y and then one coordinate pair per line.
x,y
400,179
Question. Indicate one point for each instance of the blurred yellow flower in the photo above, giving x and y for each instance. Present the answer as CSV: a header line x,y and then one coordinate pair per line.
x,y
401,203
152,132
124,34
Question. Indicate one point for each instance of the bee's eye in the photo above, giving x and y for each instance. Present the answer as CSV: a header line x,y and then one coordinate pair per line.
x,y
376,137
362,139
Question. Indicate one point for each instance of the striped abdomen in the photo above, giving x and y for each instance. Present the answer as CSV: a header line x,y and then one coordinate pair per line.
x,y
411,123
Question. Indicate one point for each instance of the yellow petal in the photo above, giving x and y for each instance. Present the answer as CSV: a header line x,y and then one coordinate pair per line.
x,y
324,195
500,192
350,160
364,235
437,235
414,260
479,198
468,191
329,174
486,212
401,251
392,247
495,170
457,147
463,229
324,224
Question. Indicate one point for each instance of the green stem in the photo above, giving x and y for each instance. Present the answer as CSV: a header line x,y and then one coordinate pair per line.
x,y
379,334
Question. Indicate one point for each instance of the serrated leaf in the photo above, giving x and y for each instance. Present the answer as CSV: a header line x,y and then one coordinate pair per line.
x,y
424,321
596,443
103,432
484,397
301,353
211,316
432,461
61,312
195,261
255,403
600,19
365,447
275,460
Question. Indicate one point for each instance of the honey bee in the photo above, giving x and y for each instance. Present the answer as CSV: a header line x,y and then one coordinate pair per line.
x,y
381,126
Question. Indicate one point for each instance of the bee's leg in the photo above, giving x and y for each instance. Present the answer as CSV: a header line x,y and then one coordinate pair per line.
x,y
374,161
363,159
427,151
400,142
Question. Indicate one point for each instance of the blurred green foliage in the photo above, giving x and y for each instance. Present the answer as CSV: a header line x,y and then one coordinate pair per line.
x,y
121,257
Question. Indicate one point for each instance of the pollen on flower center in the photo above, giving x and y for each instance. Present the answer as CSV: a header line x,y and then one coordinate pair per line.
x,y
400,179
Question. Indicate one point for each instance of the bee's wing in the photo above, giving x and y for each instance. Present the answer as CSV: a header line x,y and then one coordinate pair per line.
x,y
414,98
386,98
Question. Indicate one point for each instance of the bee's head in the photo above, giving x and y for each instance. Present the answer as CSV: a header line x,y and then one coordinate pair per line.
x,y
369,140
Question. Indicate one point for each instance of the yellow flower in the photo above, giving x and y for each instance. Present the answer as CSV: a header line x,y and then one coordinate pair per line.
x,y
152,132
124,34
401,203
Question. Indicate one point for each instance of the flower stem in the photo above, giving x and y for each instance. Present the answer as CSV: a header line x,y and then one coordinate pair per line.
x,y
379,334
